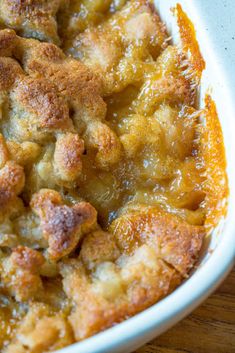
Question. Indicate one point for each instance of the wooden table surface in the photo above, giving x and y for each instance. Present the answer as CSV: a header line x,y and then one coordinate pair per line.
x,y
209,329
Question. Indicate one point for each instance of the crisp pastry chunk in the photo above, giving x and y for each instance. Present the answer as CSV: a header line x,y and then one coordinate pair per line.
x,y
31,18
50,223
67,162
62,225
175,241
20,273
148,254
41,331
54,112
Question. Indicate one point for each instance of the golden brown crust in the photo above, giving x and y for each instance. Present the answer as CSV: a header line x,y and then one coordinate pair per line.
x,y
8,42
9,71
55,20
20,273
98,247
62,226
40,98
189,44
27,259
104,140
4,154
12,181
67,162
31,18
11,184
24,153
55,332
55,95
176,242
147,255
116,295
213,164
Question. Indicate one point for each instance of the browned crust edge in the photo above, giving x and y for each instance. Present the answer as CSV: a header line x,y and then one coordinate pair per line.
x,y
189,43
211,143
213,154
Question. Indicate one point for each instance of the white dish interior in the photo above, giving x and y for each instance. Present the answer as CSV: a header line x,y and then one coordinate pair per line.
x,y
214,265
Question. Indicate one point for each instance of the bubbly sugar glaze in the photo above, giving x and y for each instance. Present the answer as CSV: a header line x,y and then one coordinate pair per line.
x,y
110,177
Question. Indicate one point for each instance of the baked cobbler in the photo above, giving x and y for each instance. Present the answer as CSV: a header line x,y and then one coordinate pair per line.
x,y
110,177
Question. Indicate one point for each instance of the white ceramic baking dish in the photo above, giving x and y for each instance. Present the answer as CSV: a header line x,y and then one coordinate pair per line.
x,y
213,21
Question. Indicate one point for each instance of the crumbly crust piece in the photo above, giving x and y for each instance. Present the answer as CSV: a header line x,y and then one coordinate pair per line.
x,y
20,273
176,242
145,256
41,331
31,18
62,226
54,20
50,97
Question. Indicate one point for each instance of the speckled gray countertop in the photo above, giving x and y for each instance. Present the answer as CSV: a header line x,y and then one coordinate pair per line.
x,y
219,16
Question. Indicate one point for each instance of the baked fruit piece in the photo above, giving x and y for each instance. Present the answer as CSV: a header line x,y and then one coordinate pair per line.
x,y
121,49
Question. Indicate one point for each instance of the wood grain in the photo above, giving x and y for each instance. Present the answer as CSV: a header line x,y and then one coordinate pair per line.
x,y
209,329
